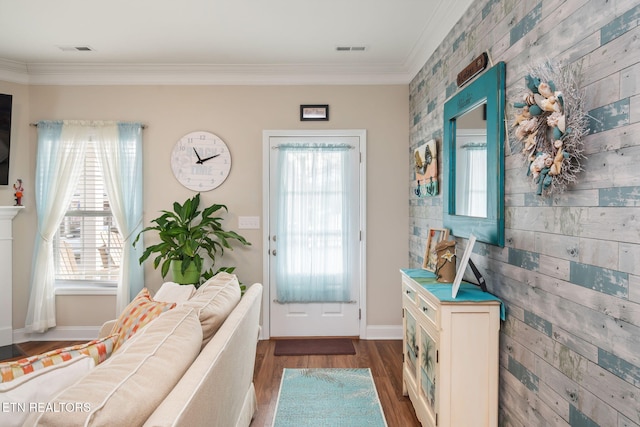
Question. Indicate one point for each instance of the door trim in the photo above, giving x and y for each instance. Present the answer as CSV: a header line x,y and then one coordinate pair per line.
x,y
266,135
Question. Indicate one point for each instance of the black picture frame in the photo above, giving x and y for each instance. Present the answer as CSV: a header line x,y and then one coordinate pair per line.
x,y
314,112
6,102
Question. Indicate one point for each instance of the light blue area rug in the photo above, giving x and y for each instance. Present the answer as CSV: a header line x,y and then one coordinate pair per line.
x,y
328,397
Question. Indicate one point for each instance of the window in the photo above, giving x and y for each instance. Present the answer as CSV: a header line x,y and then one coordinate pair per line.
x,y
87,244
79,240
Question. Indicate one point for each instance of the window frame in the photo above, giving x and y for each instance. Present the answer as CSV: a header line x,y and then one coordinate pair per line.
x,y
84,286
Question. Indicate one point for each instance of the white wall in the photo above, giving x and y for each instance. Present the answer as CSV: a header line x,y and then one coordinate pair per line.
x,y
238,114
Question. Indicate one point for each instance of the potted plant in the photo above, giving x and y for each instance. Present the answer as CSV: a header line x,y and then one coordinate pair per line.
x,y
187,235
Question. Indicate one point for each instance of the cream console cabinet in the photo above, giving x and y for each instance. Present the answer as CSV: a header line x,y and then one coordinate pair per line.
x,y
450,367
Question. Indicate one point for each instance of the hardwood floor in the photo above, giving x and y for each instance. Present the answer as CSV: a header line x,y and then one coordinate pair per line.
x,y
384,358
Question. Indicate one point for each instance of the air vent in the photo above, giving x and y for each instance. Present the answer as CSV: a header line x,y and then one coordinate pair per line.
x,y
351,48
75,48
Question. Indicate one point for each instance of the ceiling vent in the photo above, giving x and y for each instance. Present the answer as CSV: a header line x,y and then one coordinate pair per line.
x,y
351,48
76,48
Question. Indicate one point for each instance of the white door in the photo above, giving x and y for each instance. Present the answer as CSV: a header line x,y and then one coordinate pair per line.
x,y
314,249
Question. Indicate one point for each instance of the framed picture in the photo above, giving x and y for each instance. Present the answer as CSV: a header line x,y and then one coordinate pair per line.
x,y
462,266
314,112
436,235
425,161
5,136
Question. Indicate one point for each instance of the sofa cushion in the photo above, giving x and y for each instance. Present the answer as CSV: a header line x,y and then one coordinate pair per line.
x,y
127,388
28,393
142,310
174,292
214,300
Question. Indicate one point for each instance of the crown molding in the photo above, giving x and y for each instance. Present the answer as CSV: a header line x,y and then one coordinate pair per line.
x,y
200,74
448,17
14,72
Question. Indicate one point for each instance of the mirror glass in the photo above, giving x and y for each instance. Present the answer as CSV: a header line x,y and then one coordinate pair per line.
x,y
473,158
471,163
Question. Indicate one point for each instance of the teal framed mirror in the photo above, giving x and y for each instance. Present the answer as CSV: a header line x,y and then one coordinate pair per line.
x,y
473,158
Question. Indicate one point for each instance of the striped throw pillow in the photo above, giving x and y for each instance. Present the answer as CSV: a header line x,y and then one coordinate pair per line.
x,y
142,310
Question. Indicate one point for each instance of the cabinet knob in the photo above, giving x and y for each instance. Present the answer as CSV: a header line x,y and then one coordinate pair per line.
x,y
425,309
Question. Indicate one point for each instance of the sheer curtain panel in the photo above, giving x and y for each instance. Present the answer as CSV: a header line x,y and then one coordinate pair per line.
x,y
471,184
120,154
313,258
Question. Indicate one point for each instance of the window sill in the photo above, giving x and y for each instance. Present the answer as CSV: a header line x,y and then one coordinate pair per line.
x,y
88,289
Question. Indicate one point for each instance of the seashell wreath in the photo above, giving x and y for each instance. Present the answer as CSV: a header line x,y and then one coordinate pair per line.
x,y
550,123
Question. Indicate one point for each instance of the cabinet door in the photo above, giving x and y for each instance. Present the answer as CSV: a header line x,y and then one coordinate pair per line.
x,y
411,344
429,368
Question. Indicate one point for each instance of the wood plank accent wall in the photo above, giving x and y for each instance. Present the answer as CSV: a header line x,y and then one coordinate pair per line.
x,y
570,269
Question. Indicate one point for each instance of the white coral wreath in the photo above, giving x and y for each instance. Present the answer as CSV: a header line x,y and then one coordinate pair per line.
x,y
549,125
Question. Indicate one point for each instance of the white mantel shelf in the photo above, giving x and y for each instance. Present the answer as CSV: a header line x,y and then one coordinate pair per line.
x,y
7,213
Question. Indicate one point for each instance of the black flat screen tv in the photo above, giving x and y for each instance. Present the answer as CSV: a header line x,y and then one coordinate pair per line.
x,y
5,136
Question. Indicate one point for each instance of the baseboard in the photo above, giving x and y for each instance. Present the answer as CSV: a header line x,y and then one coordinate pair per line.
x,y
384,332
5,336
376,332
78,333
59,333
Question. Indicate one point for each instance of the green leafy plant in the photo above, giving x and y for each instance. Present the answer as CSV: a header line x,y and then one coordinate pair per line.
x,y
188,234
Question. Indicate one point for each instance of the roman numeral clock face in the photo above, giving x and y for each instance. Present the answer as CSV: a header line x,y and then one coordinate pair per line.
x,y
201,161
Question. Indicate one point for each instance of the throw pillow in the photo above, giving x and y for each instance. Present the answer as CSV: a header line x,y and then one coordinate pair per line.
x,y
174,292
128,387
138,314
214,300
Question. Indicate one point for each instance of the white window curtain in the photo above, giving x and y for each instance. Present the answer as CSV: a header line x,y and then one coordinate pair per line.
x,y
474,186
313,224
59,157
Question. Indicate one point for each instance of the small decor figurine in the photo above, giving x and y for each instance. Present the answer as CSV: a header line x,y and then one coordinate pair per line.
x,y
446,267
19,192
549,124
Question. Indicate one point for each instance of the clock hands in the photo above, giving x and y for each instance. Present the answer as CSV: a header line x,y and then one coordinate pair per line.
x,y
200,160
197,155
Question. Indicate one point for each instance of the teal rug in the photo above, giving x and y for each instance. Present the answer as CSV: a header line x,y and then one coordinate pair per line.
x,y
328,397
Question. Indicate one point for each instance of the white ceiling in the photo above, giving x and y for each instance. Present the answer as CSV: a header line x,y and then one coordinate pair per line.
x,y
221,41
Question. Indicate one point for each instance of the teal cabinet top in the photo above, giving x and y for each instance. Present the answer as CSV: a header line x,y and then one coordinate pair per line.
x,y
442,291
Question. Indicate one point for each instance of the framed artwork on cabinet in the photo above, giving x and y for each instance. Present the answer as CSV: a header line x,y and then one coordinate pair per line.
x,y
464,261
436,235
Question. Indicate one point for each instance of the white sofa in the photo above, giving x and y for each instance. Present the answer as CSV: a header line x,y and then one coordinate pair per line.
x,y
212,386
217,389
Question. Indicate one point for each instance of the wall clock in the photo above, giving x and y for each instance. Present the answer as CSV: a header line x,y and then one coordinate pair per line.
x,y
200,161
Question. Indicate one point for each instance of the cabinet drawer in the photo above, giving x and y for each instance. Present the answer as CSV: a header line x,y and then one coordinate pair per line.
x,y
428,310
409,292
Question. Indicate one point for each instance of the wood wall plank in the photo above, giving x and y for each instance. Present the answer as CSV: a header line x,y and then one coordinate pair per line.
x,y
570,272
